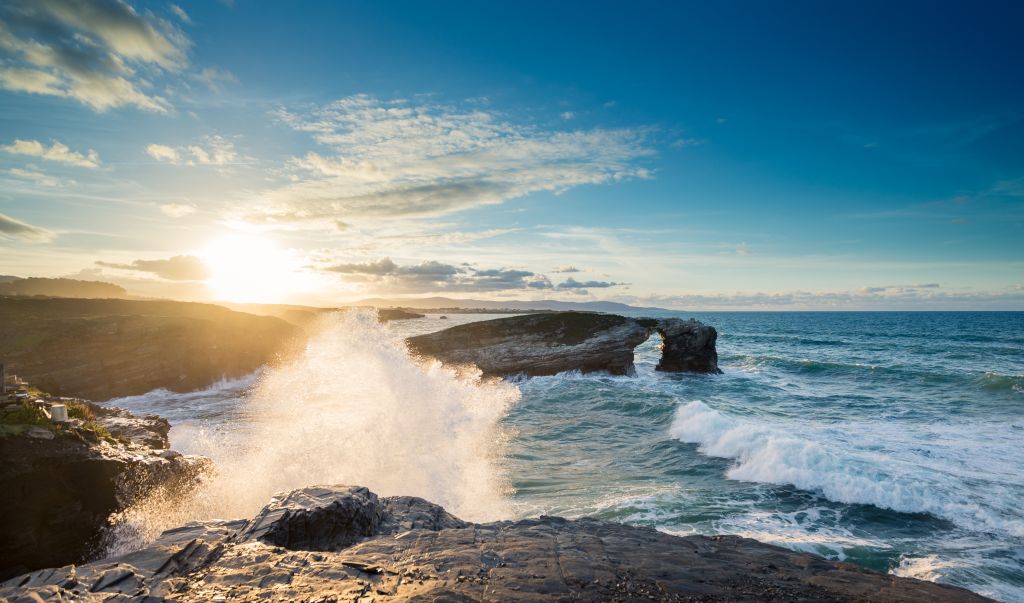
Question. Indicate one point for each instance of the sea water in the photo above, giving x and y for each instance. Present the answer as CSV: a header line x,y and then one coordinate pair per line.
x,y
890,440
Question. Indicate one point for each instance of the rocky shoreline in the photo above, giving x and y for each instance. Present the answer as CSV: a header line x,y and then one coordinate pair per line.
x,y
63,480
340,543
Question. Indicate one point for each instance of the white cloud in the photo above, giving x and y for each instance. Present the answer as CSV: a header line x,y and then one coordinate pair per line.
x,y
33,174
16,229
402,159
98,52
57,151
177,210
568,115
214,150
162,153
180,13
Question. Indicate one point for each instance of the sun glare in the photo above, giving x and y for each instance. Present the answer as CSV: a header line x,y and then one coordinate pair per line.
x,y
248,268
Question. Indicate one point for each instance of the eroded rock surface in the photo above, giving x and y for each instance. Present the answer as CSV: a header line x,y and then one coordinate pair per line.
x,y
59,490
407,549
550,343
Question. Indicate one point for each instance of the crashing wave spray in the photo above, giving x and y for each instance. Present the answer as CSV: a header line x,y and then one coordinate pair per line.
x,y
351,408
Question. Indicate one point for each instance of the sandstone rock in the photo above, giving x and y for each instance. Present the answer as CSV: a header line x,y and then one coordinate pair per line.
x,y
550,343
367,552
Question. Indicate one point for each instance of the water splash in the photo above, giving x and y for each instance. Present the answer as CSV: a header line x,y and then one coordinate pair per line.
x,y
352,407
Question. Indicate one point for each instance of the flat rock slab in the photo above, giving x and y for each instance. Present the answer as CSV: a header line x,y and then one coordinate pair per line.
x,y
407,549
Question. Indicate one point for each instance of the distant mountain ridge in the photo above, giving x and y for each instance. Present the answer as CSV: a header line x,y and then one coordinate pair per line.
x,y
430,303
60,287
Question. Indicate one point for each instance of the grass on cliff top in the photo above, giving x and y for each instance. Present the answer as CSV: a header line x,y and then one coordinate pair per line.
x,y
26,415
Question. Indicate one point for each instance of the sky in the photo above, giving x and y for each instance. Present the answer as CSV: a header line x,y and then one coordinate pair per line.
x,y
727,155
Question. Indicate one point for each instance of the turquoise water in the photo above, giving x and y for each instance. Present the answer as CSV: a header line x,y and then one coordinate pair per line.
x,y
891,440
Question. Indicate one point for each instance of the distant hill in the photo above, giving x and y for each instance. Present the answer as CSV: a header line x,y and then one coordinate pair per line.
x,y
444,303
6,278
104,348
60,287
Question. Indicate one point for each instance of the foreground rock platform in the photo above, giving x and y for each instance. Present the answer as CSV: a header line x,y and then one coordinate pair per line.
x,y
343,543
550,343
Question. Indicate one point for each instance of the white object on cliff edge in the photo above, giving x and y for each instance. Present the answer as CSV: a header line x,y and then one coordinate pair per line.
x,y
59,413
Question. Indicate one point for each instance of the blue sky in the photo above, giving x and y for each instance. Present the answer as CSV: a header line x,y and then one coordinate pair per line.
x,y
726,155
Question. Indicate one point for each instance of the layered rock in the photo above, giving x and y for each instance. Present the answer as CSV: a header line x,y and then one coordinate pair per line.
x,y
106,348
60,484
550,343
346,544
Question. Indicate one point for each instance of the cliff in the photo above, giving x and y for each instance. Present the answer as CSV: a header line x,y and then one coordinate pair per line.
x,y
347,544
549,343
106,348
61,482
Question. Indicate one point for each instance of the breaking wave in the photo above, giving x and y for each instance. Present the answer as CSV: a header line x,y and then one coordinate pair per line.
x,y
870,467
351,408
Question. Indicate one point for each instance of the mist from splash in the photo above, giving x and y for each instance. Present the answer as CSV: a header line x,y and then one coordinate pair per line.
x,y
352,407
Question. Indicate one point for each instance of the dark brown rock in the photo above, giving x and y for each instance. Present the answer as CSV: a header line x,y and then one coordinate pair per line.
x,y
59,491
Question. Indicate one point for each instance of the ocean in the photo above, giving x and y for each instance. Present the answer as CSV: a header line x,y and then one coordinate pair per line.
x,y
893,440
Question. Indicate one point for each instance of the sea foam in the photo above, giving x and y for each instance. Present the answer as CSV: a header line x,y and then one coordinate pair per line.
x,y
351,408
876,464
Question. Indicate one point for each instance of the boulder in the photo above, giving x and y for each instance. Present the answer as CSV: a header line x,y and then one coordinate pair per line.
x,y
340,543
550,343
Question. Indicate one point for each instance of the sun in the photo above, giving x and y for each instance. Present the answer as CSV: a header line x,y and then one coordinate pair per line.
x,y
249,269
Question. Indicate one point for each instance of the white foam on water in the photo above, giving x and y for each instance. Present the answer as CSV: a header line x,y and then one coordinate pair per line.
x,y
351,408
962,473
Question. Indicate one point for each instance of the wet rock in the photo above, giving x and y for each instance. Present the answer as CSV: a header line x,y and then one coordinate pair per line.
x,y
550,343
59,490
445,559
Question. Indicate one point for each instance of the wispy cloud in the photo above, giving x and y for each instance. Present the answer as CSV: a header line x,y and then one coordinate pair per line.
x,y
97,52
180,13
16,229
213,150
403,159
177,210
177,268
33,174
57,151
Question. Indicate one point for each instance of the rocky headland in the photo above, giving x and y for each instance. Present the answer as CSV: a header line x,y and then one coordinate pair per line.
x,y
61,481
550,343
106,348
342,543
